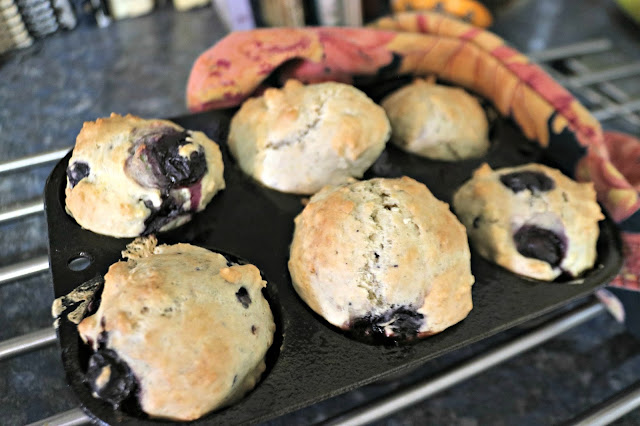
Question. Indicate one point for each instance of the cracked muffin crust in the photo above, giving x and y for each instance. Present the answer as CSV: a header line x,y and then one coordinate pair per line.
x,y
129,176
382,258
437,122
299,138
181,328
531,219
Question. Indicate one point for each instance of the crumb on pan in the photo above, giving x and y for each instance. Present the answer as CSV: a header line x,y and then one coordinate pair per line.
x,y
140,248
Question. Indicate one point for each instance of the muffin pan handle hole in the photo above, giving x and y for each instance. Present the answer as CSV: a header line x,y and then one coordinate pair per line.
x,y
79,262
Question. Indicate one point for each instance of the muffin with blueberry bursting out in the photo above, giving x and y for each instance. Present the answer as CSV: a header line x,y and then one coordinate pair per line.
x,y
531,219
382,259
129,176
179,329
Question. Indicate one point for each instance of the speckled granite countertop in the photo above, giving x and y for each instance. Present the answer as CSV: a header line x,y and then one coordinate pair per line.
x,y
141,66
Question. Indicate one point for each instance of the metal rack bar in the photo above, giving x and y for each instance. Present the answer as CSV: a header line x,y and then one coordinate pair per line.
x,y
68,418
33,160
27,342
612,409
609,109
613,92
616,109
24,269
576,66
589,94
582,48
18,211
622,71
609,89
413,394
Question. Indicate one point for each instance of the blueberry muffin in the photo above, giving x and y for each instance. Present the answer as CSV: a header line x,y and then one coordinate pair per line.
x,y
437,122
382,258
179,327
531,219
129,176
299,138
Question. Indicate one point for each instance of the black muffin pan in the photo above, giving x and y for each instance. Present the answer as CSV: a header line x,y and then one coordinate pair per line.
x,y
312,360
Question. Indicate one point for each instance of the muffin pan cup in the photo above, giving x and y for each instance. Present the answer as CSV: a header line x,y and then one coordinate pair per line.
x,y
312,360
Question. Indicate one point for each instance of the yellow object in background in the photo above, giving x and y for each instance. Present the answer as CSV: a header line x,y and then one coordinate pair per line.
x,y
631,8
468,10
182,5
282,13
120,9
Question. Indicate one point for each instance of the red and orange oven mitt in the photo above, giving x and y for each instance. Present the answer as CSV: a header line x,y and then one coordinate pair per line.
x,y
429,43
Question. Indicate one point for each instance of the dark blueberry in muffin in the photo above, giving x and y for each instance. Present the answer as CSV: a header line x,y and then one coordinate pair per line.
x,y
179,170
476,222
103,339
243,297
403,321
156,161
541,244
533,181
168,211
77,171
109,377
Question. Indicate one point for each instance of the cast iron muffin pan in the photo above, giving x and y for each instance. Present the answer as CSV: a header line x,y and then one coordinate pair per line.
x,y
310,360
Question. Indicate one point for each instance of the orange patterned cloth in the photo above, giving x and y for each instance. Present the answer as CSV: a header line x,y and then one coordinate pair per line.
x,y
624,154
429,43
